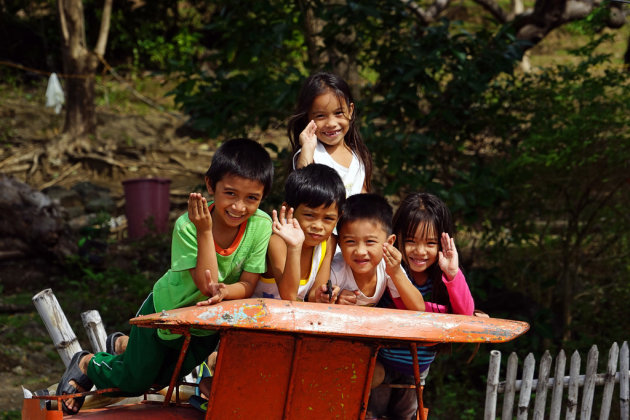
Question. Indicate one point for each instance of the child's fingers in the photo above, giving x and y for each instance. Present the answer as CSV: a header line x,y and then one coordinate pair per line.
x,y
282,217
274,216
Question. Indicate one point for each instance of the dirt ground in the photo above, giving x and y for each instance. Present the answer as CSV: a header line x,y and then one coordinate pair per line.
x,y
152,143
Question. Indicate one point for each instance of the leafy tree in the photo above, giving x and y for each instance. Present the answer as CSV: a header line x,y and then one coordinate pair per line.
x,y
562,232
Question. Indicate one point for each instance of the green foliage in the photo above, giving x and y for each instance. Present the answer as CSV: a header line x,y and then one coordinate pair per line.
x,y
10,415
254,55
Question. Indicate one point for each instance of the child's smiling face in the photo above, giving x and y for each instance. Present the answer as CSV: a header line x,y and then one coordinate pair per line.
x,y
317,222
421,249
332,117
361,242
235,199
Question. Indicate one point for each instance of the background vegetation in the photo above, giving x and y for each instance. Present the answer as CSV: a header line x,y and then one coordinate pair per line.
x,y
533,164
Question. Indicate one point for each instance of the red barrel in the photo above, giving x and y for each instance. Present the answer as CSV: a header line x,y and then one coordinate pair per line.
x,y
146,205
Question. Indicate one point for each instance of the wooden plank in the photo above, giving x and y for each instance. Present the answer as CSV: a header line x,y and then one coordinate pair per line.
x,y
510,387
64,339
558,387
572,394
600,379
541,390
526,389
494,366
337,320
624,382
609,386
589,383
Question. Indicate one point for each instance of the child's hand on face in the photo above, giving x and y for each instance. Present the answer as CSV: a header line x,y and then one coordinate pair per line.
x,y
322,295
287,227
308,139
348,297
448,259
392,257
199,213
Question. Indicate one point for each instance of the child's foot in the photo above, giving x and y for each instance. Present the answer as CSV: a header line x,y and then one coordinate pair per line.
x,y
116,343
199,403
75,380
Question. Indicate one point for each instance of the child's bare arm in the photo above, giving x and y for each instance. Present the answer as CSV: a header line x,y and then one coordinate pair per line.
x,y
217,291
288,229
411,297
199,215
243,288
308,141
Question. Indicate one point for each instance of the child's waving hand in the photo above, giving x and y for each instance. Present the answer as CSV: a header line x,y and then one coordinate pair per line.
x,y
392,257
308,138
287,227
199,213
448,259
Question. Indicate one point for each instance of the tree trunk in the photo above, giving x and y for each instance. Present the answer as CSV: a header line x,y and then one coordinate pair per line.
x,y
80,65
80,108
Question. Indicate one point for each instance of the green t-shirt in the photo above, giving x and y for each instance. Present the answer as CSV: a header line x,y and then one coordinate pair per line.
x,y
176,288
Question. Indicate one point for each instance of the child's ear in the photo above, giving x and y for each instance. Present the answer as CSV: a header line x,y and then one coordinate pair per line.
x,y
391,239
351,110
209,185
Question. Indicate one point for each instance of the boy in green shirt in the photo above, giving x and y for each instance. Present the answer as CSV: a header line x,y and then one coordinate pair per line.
x,y
218,252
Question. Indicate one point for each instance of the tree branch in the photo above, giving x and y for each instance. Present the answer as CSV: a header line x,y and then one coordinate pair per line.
x,y
62,20
104,30
430,14
494,9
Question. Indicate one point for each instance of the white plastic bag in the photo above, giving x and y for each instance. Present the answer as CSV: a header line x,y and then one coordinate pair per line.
x,y
54,93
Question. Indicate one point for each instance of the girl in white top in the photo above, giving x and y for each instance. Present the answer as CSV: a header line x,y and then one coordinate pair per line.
x,y
323,130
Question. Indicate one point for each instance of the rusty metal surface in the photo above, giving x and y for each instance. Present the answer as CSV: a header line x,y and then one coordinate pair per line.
x,y
33,409
337,320
265,375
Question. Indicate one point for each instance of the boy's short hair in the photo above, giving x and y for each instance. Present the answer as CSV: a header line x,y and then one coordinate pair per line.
x,y
314,185
242,157
371,207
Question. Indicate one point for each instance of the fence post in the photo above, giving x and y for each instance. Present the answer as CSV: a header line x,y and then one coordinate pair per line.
x,y
589,383
624,381
541,388
609,381
95,330
558,387
526,387
510,387
493,384
572,394
64,339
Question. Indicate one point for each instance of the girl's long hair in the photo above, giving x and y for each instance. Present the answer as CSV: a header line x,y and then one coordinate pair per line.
x,y
314,86
424,210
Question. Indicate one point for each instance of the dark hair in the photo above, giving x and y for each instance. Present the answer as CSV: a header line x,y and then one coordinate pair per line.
x,y
425,211
314,86
314,185
368,206
242,157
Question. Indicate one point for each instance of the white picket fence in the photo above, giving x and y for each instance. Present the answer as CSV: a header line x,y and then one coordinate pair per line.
x,y
587,382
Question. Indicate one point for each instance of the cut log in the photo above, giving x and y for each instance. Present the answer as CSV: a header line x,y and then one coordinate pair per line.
x,y
64,339
95,330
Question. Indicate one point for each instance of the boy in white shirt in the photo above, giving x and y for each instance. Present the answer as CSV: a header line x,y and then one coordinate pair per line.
x,y
368,262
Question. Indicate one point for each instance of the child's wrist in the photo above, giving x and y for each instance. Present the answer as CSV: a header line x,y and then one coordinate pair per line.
x,y
450,275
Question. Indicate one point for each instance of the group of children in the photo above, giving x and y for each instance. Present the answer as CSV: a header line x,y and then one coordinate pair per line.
x,y
330,242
